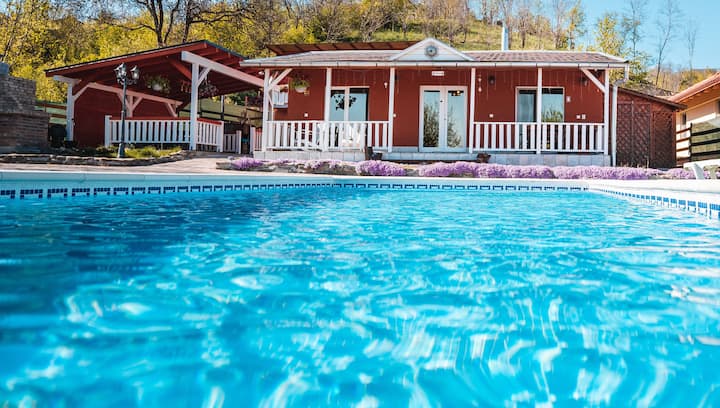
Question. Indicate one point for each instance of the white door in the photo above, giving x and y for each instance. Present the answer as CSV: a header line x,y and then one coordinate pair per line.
x,y
443,118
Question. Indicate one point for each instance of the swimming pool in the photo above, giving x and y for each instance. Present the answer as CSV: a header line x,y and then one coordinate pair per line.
x,y
327,296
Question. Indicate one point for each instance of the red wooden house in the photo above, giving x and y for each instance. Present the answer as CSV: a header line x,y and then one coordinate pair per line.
x,y
429,101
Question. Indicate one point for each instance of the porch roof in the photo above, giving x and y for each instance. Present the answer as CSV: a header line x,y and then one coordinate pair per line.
x,y
388,58
166,62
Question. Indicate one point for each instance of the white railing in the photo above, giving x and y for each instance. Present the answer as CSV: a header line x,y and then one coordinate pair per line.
x,y
534,137
324,136
232,142
161,131
255,139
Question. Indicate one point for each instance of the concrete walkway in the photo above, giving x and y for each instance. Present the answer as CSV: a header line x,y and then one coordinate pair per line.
x,y
202,165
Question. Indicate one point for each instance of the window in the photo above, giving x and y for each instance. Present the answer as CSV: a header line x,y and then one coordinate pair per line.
x,y
553,105
718,105
684,118
349,104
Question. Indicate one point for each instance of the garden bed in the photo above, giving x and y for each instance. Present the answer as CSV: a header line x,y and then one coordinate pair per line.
x,y
457,169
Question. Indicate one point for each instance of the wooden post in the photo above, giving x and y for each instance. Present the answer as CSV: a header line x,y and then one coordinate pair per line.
x,y
266,108
108,130
391,109
471,131
194,105
614,126
538,113
326,110
606,111
70,112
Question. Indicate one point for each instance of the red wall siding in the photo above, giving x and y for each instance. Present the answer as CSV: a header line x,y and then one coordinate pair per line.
x,y
497,99
312,102
90,111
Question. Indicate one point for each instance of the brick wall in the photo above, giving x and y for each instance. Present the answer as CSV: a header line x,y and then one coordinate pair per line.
x,y
22,128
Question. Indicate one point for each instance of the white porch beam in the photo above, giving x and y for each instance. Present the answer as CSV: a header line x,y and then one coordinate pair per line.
x,y
391,109
606,112
538,111
275,81
471,128
70,112
594,79
203,74
134,102
194,84
220,68
118,91
171,110
265,109
328,87
614,126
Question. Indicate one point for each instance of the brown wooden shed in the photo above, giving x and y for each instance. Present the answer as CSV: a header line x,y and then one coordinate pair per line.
x,y
645,129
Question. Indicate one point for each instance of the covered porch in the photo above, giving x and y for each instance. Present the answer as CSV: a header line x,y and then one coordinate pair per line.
x,y
518,107
170,78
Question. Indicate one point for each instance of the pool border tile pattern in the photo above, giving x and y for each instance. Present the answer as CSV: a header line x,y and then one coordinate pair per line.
x,y
697,197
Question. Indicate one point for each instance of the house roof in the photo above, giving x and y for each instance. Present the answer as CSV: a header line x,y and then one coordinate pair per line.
x,y
664,101
165,62
289,49
699,88
413,55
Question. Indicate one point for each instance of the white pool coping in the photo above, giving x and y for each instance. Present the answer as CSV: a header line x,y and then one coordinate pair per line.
x,y
699,196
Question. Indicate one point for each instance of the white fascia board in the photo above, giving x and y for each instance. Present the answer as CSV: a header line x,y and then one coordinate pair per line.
x,y
66,80
445,64
221,69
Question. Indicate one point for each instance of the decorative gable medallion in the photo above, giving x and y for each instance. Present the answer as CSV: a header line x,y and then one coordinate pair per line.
x,y
431,49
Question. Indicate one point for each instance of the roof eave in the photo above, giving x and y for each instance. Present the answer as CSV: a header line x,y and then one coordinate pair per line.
x,y
444,64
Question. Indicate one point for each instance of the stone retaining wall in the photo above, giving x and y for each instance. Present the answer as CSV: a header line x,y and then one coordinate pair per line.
x,y
91,161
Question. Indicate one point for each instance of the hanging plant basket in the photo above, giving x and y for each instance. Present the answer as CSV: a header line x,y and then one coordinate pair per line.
x,y
300,85
158,83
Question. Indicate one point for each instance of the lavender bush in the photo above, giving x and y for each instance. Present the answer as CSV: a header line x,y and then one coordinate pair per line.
x,y
379,168
246,163
457,169
462,169
604,173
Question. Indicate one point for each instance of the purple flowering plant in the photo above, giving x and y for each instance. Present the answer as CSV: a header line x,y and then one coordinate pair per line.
x,y
246,163
379,168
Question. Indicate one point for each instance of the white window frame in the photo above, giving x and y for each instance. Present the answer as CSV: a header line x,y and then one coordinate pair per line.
x,y
346,108
442,137
534,88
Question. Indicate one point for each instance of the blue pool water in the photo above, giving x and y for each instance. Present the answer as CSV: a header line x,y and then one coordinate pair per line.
x,y
346,297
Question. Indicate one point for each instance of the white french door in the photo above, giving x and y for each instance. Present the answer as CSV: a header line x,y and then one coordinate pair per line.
x,y
443,118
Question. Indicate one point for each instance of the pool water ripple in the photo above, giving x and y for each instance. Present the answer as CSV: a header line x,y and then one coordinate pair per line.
x,y
344,297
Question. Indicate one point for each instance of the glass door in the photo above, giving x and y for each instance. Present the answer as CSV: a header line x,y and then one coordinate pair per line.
x,y
347,105
443,125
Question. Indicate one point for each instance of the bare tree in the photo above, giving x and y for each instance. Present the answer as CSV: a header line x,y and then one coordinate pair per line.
x,y
507,10
667,19
329,20
372,15
632,21
489,10
691,31
525,20
559,15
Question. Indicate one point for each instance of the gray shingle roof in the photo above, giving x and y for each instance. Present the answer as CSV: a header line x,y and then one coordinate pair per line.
x,y
384,57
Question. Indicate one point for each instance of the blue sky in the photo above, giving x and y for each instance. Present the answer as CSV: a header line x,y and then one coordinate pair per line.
x,y
702,13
